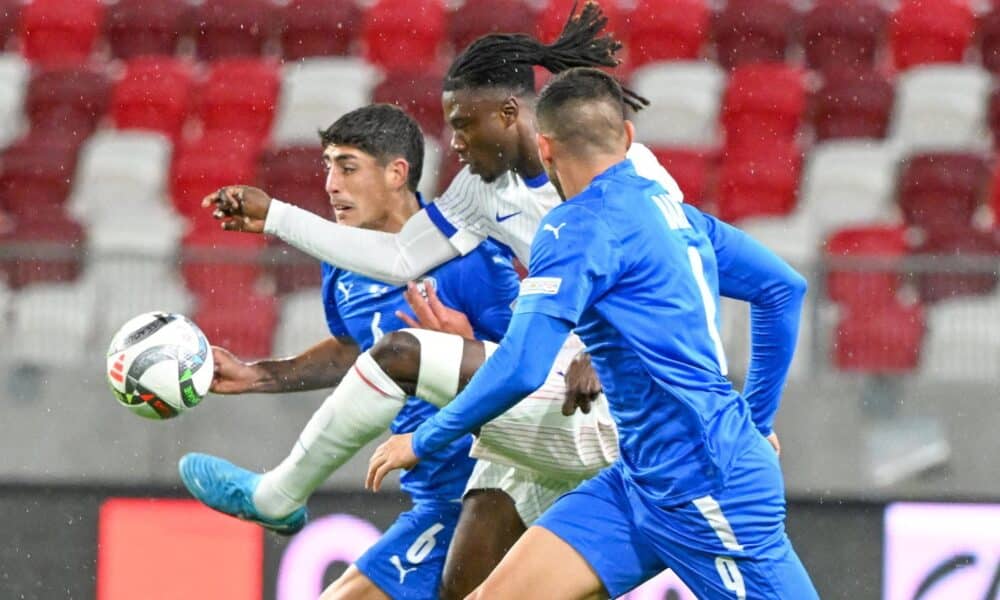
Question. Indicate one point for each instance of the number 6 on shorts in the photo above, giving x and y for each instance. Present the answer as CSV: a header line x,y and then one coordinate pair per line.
x,y
423,545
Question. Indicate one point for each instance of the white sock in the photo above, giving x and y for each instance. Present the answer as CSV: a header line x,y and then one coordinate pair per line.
x,y
358,410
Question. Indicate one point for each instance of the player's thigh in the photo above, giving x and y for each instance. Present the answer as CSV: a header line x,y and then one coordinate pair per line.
x,y
541,565
353,585
487,529
407,561
596,521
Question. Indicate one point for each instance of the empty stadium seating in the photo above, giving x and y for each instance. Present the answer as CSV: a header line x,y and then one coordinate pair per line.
x,y
207,164
945,275
67,101
56,245
690,168
145,27
930,31
418,94
318,28
228,104
685,98
941,106
301,323
13,77
761,183
857,283
154,94
763,103
60,32
472,20
227,326
852,104
230,28
661,30
35,176
839,33
885,340
752,31
405,35
942,190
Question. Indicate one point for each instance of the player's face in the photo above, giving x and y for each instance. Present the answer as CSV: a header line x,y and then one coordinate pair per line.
x,y
357,187
482,136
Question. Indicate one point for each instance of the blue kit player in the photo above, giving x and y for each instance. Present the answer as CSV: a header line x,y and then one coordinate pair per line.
x,y
377,149
697,488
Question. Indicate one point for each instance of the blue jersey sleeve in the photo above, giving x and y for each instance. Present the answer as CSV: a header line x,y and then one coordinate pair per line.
x,y
489,287
574,259
750,272
517,368
329,289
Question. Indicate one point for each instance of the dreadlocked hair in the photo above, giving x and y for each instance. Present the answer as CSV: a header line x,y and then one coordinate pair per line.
x,y
507,59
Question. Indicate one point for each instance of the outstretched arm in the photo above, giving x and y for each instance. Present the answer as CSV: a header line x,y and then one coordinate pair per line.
x,y
394,258
518,367
319,367
750,272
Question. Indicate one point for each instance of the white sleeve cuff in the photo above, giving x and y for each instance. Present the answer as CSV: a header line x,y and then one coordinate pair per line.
x,y
275,217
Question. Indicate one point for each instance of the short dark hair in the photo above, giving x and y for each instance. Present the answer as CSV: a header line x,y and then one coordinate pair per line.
x,y
507,60
384,131
583,108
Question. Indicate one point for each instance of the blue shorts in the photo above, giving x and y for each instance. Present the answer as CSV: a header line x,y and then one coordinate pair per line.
x,y
731,544
408,559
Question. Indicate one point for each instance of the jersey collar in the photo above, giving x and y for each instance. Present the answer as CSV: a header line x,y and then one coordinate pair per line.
x,y
537,181
625,167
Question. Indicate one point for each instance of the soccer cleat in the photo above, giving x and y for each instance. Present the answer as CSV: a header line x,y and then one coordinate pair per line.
x,y
221,485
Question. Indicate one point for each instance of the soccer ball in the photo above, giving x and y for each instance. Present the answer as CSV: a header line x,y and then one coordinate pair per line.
x,y
159,365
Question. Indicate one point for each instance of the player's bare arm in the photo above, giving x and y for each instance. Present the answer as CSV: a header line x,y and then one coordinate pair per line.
x,y
319,367
432,314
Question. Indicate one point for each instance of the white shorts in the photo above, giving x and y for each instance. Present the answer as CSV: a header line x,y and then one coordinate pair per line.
x,y
531,492
534,435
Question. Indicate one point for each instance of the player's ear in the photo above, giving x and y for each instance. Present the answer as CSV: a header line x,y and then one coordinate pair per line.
x,y
544,148
509,110
397,173
629,133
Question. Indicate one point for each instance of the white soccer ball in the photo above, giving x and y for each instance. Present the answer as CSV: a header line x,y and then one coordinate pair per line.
x,y
159,365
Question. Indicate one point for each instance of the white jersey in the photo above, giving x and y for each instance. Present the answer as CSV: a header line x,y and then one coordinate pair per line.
x,y
509,209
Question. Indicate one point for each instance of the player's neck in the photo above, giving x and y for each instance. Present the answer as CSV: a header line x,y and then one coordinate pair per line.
x,y
576,174
405,207
529,164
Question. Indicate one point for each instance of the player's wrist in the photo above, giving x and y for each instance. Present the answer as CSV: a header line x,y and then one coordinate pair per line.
x,y
274,216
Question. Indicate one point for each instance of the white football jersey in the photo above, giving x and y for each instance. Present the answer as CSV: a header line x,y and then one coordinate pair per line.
x,y
509,209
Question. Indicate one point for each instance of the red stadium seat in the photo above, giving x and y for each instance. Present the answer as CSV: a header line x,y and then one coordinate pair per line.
x,y
229,28
930,31
477,18
763,183
227,103
318,28
35,176
941,190
67,101
203,166
954,280
690,169
553,17
860,284
880,340
405,35
60,32
294,174
753,31
852,104
666,30
763,103
843,33
55,244
220,263
154,94
419,95
993,116
10,15
224,319
989,40
145,27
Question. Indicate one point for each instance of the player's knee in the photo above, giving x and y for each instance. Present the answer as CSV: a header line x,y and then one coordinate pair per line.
x,y
398,354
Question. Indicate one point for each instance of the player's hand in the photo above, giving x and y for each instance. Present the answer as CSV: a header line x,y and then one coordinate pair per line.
x,y
239,207
395,453
582,385
431,313
231,376
773,440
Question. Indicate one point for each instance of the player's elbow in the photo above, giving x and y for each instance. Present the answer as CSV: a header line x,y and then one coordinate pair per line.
x,y
797,286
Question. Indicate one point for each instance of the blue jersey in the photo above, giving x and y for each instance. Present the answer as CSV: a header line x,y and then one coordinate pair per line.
x,y
483,285
636,273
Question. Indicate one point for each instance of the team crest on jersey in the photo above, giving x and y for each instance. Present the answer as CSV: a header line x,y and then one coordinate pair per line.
x,y
548,286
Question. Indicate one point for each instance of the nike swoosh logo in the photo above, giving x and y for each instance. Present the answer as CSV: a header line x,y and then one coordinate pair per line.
x,y
505,217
